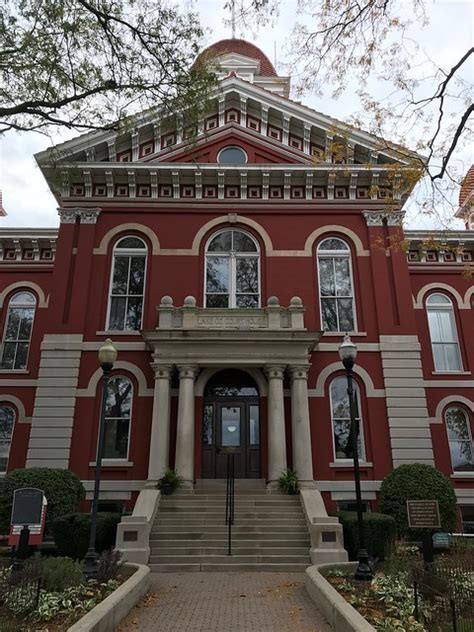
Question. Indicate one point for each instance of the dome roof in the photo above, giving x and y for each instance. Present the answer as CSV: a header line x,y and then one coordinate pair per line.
x,y
242,47
467,186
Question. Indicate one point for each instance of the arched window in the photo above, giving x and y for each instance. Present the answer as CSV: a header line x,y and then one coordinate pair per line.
x,y
341,419
460,439
232,270
118,413
7,421
443,334
232,156
17,334
127,285
335,286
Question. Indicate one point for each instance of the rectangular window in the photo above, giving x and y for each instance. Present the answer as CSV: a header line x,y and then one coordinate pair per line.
x,y
444,340
126,298
335,286
117,418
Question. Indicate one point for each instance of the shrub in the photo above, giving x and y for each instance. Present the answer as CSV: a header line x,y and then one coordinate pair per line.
x,y
71,533
63,491
416,481
288,482
379,531
108,565
169,482
57,573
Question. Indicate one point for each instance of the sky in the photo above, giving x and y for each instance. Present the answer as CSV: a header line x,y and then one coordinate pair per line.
x,y
450,32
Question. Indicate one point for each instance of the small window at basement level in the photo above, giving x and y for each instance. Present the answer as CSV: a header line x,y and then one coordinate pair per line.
x,y
335,286
232,156
460,439
351,505
127,285
18,328
118,411
341,420
7,422
467,517
443,334
111,506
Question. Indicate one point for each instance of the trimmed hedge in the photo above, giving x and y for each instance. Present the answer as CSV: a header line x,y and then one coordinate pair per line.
x,y
379,530
63,491
416,481
71,533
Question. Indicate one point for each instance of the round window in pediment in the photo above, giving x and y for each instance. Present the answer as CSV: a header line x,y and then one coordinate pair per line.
x,y
232,156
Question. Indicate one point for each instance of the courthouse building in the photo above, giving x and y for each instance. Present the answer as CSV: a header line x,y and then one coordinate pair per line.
x,y
226,261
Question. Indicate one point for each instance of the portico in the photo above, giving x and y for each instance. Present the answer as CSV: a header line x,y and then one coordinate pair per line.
x,y
192,343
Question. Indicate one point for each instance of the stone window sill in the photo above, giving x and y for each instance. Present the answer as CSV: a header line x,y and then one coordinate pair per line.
x,y
454,373
350,464
342,334
112,463
463,475
15,371
117,333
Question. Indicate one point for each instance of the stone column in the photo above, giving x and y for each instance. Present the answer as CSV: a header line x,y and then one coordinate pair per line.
x,y
184,462
300,428
160,423
276,423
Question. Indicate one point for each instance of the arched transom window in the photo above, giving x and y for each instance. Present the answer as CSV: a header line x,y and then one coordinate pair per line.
x,y
7,421
127,285
232,270
341,419
17,334
335,286
460,439
443,334
118,412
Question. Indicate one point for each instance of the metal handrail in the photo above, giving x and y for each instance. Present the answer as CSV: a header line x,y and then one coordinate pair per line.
x,y
229,499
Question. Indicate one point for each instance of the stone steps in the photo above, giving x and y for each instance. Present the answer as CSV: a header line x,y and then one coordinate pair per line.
x,y
224,568
250,549
160,543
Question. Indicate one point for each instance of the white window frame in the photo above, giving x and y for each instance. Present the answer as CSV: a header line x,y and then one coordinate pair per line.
x,y
233,256
232,147
362,456
7,405
32,306
469,434
444,307
347,254
127,252
109,459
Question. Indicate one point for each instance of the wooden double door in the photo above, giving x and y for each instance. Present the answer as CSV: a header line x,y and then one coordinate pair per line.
x,y
231,424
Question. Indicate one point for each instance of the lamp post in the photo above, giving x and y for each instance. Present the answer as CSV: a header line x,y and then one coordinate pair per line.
x,y
107,357
348,354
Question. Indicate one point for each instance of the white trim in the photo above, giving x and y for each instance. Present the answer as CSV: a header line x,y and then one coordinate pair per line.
x,y
224,219
467,297
448,383
349,463
42,301
206,375
103,247
91,389
418,302
443,403
233,147
336,228
370,390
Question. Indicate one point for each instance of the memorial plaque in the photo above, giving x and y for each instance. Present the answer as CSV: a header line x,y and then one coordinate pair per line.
x,y
27,506
423,514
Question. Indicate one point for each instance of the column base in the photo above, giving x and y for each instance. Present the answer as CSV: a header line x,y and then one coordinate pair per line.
x,y
272,486
187,485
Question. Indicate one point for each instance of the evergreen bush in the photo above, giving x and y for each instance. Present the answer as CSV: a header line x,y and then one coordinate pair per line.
x,y
57,573
417,481
63,491
379,530
71,533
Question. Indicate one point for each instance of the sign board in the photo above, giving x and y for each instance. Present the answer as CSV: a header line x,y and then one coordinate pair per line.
x,y
423,514
29,508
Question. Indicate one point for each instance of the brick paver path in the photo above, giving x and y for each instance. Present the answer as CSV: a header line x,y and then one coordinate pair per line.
x,y
226,602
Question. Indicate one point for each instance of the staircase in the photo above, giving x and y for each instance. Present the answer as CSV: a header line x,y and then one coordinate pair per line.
x,y
269,534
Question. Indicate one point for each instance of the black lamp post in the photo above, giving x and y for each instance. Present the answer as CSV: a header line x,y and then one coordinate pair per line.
x,y
348,354
107,357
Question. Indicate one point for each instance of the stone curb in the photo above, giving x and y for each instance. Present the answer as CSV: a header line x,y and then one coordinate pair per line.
x,y
106,616
342,617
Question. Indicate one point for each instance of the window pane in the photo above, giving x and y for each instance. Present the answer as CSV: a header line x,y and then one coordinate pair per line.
x,y
23,298
247,300
217,300
333,244
230,426
117,313
461,456
7,418
247,275
137,275
439,357
207,425
116,438
21,355
446,326
343,279
232,156
221,242
456,423
434,326
13,325
340,398
120,280
243,243
439,299
8,356
346,314
341,438
217,274
254,426
134,313
329,317
131,242
119,397
453,361
25,324
327,285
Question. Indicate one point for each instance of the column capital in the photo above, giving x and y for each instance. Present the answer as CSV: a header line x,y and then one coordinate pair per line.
x,y
85,215
187,371
275,371
162,371
298,371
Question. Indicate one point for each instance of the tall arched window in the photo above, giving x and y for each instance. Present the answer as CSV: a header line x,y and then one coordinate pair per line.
x,y
341,419
443,334
336,293
118,413
232,270
460,439
127,285
17,334
7,421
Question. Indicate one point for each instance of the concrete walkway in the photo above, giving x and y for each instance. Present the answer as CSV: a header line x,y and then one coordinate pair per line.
x,y
226,602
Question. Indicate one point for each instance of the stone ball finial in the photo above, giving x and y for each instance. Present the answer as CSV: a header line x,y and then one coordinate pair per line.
x,y
296,302
166,300
273,301
190,301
